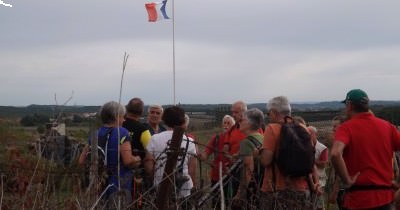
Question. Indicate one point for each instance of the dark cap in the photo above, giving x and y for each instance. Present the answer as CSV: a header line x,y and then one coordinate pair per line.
x,y
356,96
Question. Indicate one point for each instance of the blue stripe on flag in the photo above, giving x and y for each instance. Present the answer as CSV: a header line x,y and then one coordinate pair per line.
x,y
162,9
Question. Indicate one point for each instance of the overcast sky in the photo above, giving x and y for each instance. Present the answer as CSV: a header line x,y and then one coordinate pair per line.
x,y
225,51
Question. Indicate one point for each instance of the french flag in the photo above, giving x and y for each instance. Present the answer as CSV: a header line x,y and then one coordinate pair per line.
x,y
156,11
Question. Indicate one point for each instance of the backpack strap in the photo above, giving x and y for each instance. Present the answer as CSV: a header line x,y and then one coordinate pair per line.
x,y
180,167
273,163
288,119
216,142
255,142
103,145
259,172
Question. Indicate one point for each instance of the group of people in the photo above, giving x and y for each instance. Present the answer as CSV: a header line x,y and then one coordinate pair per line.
x,y
127,143
362,155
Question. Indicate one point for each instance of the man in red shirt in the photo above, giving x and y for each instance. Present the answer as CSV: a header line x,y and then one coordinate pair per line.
x,y
235,136
362,155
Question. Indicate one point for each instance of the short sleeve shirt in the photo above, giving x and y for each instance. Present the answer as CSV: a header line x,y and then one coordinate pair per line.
x,y
118,136
140,136
247,147
271,141
369,146
157,146
234,137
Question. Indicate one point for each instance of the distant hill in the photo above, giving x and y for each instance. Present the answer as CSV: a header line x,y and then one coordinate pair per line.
x,y
50,110
327,105
53,110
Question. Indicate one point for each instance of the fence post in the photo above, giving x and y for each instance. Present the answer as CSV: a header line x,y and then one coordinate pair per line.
x,y
164,191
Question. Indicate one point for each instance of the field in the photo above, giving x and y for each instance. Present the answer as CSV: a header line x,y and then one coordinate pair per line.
x,y
33,181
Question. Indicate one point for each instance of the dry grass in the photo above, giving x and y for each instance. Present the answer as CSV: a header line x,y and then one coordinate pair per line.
x,y
38,183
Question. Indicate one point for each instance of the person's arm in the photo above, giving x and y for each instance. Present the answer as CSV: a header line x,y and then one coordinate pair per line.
x,y
248,169
192,165
266,157
335,190
208,150
82,157
203,156
126,154
149,163
323,159
149,159
269,145
340,165
192,162
396,146
314,177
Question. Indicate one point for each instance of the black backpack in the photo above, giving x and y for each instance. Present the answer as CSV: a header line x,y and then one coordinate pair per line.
x,y
102,171
295,154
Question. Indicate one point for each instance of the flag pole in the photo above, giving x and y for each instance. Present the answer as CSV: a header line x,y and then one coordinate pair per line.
x,y
173,50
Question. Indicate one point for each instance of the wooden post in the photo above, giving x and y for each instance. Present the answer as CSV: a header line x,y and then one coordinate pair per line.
x,y
165,191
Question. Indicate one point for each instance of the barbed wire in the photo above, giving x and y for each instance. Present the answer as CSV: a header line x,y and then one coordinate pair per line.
x,y
72,171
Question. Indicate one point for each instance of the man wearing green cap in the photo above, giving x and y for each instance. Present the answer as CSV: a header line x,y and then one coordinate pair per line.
x,y
362,155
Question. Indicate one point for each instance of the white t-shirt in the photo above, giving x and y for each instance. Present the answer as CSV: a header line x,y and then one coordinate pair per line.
x,y
157,146
319,148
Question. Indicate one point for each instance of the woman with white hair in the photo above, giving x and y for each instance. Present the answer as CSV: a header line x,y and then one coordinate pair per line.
x,y
252,121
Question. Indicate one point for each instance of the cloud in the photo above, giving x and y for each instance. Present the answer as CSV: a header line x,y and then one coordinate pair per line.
x,y
225,51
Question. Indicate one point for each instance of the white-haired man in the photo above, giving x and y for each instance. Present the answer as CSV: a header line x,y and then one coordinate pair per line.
x,y
293,190
235,136
154,114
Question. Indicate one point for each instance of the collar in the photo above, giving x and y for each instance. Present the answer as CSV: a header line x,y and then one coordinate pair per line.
x,y
362,115
130,117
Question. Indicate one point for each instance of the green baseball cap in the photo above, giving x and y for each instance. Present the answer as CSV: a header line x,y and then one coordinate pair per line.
x,y
357,96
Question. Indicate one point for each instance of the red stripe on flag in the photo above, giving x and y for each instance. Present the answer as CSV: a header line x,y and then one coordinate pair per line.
x,y
151,11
